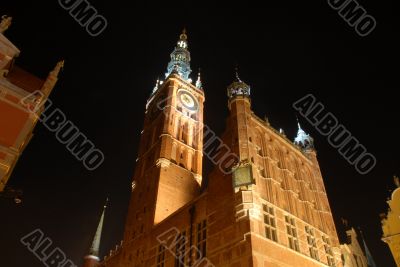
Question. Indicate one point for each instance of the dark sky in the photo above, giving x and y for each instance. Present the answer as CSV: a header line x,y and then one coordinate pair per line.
x,y
284,50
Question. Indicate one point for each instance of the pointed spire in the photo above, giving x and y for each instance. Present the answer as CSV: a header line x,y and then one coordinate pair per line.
x,y
183,35
5,23
238,87
60,65
304,140
95,247
237,73
180,58
199,84
52,79
370,260
299,129
298,123
156,86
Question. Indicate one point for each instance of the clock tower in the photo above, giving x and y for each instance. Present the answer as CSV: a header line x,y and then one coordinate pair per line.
x,y
270,209
168,172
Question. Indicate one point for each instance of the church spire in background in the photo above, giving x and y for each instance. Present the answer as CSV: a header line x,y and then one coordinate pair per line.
x,y
92,260
370,260
180,58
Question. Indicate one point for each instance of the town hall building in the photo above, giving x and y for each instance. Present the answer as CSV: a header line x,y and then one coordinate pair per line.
x,y
264,203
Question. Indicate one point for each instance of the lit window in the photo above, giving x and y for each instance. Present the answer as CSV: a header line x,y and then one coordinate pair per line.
x,y
201,238
161,256
133,185
270,223
328,251
180,250
292,233
312,243
182,44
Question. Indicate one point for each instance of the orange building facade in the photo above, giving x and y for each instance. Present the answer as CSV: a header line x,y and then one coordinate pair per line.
x,y
16,103
391,223
352,253
264,204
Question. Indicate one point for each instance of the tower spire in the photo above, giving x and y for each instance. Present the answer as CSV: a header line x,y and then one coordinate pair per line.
x,y
370,260
237,73
199,84
180,58
183,34
94,249
238,87
304,140
52,78
92,259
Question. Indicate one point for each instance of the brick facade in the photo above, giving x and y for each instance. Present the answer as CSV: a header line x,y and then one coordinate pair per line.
x,y
281,219
16,121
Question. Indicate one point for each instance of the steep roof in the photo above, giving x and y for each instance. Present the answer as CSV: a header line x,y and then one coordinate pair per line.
x,y
24,79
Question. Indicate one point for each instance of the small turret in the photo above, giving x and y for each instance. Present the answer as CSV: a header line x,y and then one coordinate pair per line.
x,y
304,140
52,79
238,88
199,84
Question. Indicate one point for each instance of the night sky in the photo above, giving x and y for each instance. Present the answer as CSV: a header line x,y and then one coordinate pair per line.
x,y
284,51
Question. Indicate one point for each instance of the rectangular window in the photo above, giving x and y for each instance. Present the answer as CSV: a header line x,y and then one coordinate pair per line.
x,y
312,243
292,233
181,250
161,256
201,239
328,251
270,223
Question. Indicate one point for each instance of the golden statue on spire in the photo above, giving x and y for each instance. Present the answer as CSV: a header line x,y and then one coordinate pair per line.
x,y
5,23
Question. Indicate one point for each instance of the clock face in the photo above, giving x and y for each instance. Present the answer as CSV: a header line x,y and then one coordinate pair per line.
x,y
188,100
